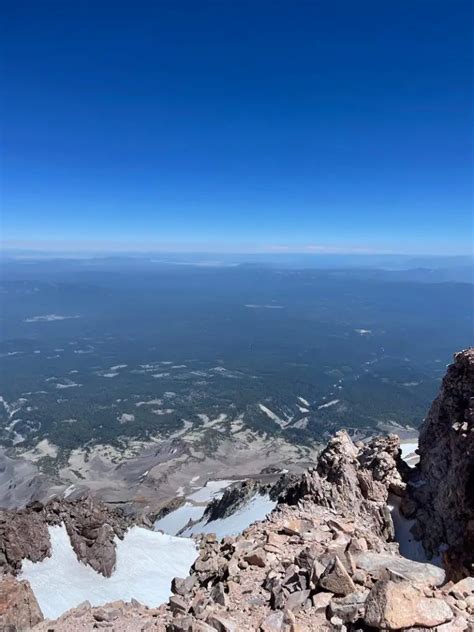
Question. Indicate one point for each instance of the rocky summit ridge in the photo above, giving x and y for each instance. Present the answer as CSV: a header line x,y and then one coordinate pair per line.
x,y
326,557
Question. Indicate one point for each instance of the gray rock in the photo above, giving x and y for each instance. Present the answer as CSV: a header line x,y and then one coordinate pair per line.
x,y
336,579
400,605
322,600
274,622
349,608
446,448
177,605
377,564
106,614
218,594
463,588
297,600
221,624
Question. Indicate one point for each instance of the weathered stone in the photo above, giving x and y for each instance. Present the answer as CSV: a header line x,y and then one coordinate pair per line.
x,y
463,588
221,624
218,594
258,557
297,599
106,614
446,447
349,608
177,605
322,600
19,609
296,527
274,622
277,597
377,564
400,605
181,586
460,624
336,579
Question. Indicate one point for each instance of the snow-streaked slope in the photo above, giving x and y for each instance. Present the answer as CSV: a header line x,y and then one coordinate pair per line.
x,y
256,509
408,453
178,519
212,489
146,563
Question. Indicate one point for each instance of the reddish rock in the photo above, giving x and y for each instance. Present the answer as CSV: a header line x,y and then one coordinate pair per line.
x,y
19,609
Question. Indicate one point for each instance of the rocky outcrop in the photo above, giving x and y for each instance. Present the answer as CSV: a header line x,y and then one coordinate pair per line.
x,y
91,526
23,534
323,560
352,480
19,610
442,499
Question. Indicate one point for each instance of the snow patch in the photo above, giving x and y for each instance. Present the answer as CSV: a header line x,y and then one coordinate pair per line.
x,y
147,561
48,318
331,403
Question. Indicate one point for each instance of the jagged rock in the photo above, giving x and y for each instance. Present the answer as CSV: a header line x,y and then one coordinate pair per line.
x,y
336,579
218,594
274,622
382,456
445,514
177,605
340,481
19,610
106,614
277,598
91,526
181,586
297,599
400,605
460,624
349,608
378,564
256,558
221,624
322,600
463,588
23,534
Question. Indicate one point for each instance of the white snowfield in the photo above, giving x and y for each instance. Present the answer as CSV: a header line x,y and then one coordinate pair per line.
x,y
147,561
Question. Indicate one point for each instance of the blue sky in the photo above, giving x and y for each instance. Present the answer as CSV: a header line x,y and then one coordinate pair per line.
x,y
316,126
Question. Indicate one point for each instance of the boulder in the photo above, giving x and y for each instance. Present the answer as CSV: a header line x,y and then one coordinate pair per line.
x,y
19,610
400,605
258,557
297,599
274,622
380,564
221,623
463,588
336,579
349,608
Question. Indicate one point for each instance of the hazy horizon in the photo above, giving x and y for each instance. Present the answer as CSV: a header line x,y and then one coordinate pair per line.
x,y
238,127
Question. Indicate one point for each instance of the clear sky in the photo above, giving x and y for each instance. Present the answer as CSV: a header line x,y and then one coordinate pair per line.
x,y
307,126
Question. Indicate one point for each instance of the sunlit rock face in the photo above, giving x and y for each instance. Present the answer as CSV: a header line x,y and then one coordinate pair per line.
x,y
445,499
